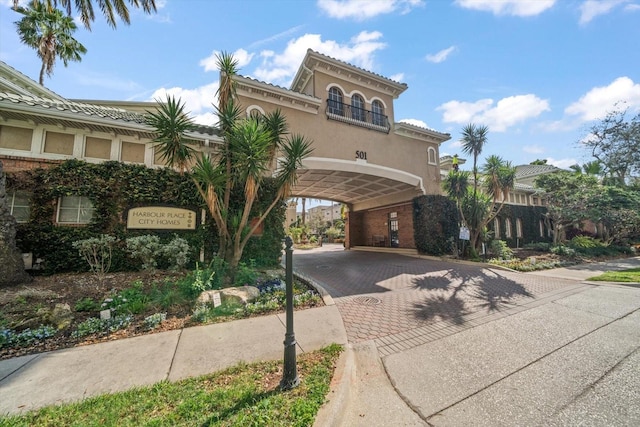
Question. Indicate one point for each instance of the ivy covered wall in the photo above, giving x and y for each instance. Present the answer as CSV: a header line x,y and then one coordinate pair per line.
x,y
530,217
435,223
113,187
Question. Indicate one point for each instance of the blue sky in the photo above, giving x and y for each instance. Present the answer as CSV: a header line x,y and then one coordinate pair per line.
x,y
537,72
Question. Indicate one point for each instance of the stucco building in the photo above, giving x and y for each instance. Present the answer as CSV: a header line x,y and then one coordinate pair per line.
x,y
361,156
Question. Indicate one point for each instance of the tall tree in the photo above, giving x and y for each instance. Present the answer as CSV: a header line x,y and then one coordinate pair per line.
x,y
110,9
478,208
474,139
569,197
615,143
247,158
50,33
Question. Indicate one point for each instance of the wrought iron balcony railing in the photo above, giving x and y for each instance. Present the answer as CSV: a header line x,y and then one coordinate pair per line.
x,y
357,116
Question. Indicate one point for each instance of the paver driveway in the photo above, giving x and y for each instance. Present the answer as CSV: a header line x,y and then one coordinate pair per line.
x,y
402,301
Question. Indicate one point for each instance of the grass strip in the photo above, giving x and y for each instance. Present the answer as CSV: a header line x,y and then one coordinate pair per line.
x,y
244,395
631,275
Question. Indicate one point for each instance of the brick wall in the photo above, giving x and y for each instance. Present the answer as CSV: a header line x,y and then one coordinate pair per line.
x,y
17,163
363,226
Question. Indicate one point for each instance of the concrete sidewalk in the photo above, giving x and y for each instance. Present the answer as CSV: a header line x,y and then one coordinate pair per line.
x,y
30,382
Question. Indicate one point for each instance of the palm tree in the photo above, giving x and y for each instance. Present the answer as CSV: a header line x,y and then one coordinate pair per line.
x,y
250,148
171,122
473,140
456,185
49,32
110,8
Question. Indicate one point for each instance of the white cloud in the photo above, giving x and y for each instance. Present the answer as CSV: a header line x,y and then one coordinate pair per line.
x,y
210,63
508,7
561,163
361,10
592,8
440,56
397,77
198,102
279,68
599,101
632,7
415,122
533,149
506,112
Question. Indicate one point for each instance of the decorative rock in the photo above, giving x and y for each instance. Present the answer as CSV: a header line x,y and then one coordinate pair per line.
x,y
61,316
242,294
206,297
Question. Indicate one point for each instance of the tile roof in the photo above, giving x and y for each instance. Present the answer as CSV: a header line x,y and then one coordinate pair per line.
x,y
523,171
356,67
84,110
281,88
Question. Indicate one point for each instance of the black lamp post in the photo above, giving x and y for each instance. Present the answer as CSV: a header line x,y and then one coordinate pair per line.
x,y
290,375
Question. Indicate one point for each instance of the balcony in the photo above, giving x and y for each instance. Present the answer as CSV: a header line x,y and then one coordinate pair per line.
x,y
357,116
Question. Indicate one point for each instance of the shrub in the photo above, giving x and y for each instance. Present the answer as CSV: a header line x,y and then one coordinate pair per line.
x,y
246,274
97,252
563,251
131,300
145,249
176,252
87,304
500,249
584,242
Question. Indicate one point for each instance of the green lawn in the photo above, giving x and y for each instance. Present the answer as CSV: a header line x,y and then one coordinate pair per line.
x,y
245,395
630,275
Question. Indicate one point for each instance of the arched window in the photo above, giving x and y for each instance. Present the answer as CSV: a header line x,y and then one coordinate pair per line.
x,y
378,113
519,228
335,101
541,228
496,228
432,155
507,228
357,108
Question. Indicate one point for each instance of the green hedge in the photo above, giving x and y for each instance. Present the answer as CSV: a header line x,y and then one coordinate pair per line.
x,y
435,224
113,187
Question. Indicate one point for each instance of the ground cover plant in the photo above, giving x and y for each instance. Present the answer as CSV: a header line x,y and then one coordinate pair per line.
x,y
64,310
543,256
244,395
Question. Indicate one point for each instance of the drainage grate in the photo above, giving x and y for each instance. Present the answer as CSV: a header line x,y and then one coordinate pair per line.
x,y
323,267
367,300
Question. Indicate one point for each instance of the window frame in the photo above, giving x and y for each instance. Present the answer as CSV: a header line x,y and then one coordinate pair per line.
x,y
358,111
11,202
377,113
335,101
79,217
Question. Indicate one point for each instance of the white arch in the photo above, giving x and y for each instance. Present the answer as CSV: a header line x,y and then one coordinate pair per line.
x,y
353,166
330,85
381,101
250,108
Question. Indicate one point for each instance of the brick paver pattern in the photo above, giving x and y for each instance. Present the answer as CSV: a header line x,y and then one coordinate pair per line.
x,y
402,302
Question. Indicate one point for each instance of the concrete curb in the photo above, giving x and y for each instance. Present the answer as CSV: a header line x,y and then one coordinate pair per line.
x,y
340,396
